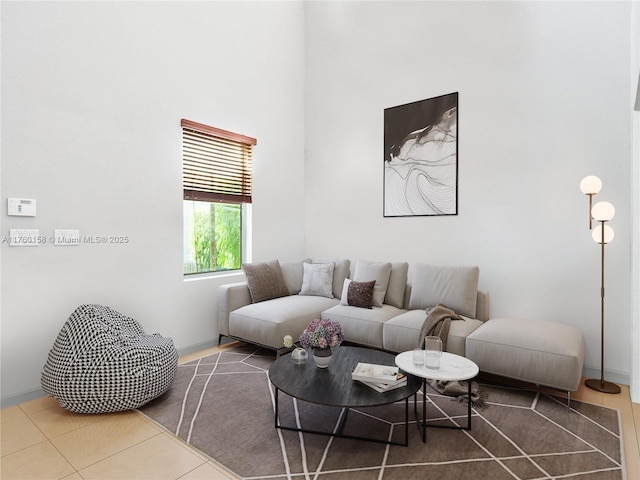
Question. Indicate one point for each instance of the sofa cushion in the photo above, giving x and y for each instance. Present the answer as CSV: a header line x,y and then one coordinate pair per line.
x,y
292,273
378,271
357,294
397,284
265,280
401,333
362,325
454,287
317,279
266,323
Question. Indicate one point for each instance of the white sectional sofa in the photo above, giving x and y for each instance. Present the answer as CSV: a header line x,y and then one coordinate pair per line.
x,y
393,325
281,298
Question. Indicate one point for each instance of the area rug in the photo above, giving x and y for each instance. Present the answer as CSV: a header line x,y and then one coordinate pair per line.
x,y
223,405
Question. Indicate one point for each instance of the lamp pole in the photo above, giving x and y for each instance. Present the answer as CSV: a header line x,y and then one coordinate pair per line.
x,y
602,385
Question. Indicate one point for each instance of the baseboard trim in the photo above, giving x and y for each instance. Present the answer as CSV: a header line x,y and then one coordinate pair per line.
x,y
21,397
197,347
609,375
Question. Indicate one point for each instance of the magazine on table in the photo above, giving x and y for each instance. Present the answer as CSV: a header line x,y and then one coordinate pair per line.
x,y
373,373
385,387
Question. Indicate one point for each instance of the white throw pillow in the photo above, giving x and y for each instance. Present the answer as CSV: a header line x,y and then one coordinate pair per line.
x,y
454,287
340,272
345,290
380,272
317,279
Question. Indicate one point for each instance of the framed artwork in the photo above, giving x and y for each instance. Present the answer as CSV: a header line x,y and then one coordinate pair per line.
x,y
421,158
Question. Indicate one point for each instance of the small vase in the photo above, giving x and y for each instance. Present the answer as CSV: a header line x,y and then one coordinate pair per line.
x,y
299,356
322,357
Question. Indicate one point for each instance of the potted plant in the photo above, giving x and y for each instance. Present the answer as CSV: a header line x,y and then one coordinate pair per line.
x,y
321,335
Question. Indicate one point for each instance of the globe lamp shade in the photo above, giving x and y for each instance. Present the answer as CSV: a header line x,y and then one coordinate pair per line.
x,y
603,211
596,234
590,185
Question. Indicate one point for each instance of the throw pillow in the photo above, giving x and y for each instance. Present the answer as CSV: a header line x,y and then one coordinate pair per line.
x,y
379,272
345,292
317,279
340,272
265,281
455,287
358,294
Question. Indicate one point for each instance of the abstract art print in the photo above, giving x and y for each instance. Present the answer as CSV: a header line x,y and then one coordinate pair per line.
x,y
421,158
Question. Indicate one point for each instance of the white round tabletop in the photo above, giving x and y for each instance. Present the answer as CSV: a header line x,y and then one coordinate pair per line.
x,y
452,367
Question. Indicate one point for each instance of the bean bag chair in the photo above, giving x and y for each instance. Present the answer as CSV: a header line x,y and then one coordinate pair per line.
x,y
103,361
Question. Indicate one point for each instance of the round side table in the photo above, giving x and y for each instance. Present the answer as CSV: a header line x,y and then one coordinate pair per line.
x,y
452,368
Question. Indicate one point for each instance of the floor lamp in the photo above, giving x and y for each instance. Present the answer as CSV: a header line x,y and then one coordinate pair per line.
x,y
602,234
590,186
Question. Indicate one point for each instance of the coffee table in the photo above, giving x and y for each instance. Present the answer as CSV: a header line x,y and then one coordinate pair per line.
x,y
334,387
452,368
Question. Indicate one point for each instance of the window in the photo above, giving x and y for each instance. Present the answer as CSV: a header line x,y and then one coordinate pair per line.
x,y
216,177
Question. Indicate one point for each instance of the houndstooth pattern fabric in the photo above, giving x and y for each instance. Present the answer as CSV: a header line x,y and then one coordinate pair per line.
x,y
103,361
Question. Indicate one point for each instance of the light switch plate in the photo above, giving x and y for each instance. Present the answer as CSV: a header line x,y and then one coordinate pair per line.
x,y
24,237
66,237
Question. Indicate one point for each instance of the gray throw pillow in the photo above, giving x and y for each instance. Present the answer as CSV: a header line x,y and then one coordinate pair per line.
x,y
340,272
265,281
317,279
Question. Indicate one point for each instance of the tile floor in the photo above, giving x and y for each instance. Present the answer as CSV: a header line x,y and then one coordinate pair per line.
x,y
40,440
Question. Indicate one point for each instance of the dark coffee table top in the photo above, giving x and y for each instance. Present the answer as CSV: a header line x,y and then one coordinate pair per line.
x,y
333,385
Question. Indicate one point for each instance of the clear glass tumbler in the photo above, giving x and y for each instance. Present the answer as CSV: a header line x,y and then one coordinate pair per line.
x,y
418,357
433,352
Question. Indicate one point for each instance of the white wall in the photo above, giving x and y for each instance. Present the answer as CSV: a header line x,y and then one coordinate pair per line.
x,y
543,101
92,97
635,202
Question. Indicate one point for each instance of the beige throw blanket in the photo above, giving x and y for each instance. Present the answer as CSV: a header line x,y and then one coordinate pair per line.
x,y
438,323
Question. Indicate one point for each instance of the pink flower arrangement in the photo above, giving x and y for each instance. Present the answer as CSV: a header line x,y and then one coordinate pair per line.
x,y
322,334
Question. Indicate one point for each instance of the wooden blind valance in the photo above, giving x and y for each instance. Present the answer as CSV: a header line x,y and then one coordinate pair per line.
x,y
216,164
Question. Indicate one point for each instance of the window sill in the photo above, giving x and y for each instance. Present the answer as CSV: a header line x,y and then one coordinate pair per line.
x,y
196,277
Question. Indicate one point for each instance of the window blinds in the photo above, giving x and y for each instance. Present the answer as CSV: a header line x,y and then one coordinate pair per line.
x,y
216,164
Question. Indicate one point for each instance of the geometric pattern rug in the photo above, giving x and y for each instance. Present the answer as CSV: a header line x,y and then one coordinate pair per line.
x,y
223,405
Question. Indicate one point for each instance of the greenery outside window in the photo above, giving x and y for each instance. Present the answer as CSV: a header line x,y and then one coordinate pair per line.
x,y
217,197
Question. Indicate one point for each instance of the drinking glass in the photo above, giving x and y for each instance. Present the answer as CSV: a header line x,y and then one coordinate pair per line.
x,y
433,352
418,357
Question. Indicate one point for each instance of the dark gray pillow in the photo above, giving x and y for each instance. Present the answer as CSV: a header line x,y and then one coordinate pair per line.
x,y
265,280
360,294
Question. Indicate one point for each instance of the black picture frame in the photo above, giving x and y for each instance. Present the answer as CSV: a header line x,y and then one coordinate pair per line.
x,y
421,158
